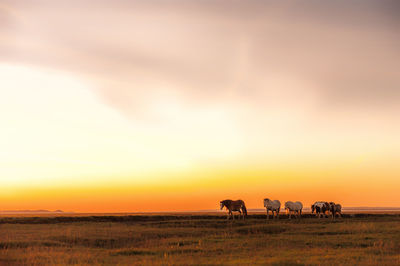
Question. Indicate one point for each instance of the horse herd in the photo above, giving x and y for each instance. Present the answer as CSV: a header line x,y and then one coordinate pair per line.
x,y
321,208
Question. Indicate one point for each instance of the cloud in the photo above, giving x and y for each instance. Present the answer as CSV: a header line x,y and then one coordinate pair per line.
x,y
272,67
137,49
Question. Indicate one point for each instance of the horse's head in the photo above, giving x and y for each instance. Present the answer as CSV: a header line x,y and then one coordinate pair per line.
x,y
222,204
312,208
266,200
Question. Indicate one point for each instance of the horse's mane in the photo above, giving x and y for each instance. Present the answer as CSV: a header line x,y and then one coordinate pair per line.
x,y
229,202
226,201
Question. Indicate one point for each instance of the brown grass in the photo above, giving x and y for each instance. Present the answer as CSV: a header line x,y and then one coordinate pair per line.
x,y
199,240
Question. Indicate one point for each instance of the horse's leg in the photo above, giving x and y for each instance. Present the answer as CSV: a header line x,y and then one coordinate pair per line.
x,y
277,214
267,214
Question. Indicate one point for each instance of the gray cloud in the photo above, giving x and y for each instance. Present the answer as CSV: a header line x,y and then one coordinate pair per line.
x,y
210,51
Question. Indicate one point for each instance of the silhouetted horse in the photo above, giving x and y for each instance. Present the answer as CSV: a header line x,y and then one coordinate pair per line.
x,y
234,205
335,208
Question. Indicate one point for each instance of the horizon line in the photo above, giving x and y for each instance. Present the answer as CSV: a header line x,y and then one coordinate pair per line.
x,y
183,211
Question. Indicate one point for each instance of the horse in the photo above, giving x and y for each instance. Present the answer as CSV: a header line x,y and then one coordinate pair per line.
x,y
335,208
234,205
320,208
295,207
273,206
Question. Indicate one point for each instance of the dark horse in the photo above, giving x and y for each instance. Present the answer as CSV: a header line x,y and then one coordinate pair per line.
x,y
320,208
335,209
234,205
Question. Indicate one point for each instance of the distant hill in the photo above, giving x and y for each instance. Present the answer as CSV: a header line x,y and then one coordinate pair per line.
x,y
30,211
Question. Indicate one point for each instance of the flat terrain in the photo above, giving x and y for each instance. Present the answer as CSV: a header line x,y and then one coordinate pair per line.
x,y
361,239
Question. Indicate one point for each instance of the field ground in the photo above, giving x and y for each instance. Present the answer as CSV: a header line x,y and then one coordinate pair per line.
x,y
360,239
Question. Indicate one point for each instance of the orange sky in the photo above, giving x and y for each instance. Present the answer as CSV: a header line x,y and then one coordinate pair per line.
x,y
176,105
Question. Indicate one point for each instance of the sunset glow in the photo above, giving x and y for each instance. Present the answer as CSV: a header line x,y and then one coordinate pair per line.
x,y
153,106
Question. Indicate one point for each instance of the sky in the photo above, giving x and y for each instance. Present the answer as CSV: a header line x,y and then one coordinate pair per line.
x,y
173,105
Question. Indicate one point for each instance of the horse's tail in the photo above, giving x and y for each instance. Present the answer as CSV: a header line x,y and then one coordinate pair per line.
x,y
244,209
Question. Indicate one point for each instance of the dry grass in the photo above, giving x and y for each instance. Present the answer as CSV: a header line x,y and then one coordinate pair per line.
x,y
200,239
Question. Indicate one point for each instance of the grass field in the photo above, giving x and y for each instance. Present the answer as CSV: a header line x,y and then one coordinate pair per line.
x,y
200,239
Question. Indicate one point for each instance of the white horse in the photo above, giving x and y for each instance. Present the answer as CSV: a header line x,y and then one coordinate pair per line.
x,y
273,206
293,207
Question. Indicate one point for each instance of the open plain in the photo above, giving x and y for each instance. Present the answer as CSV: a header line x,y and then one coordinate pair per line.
x,y
199,239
